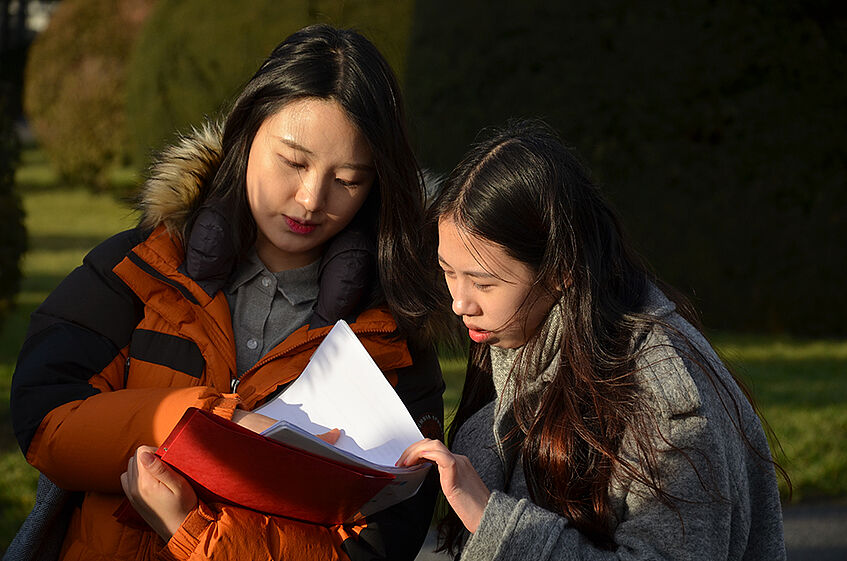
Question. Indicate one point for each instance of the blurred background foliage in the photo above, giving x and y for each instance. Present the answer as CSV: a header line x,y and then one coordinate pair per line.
x,y
715,128
75,86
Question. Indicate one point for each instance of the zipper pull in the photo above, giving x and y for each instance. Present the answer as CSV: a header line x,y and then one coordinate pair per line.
x,y
234,384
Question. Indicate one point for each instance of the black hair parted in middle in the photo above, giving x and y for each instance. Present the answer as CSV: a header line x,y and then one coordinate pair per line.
x,y
343,66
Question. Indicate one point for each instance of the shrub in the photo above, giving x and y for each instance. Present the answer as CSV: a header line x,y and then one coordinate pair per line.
x,y
715,129
12,232
75,85
181,73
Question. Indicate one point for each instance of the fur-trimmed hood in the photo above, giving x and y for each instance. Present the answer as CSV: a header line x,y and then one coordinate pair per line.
x,y
178,177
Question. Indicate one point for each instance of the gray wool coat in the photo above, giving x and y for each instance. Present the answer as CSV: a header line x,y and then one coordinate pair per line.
x,y
739,518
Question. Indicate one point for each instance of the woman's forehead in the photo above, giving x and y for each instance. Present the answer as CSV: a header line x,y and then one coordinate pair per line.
x,y
315,125
475,256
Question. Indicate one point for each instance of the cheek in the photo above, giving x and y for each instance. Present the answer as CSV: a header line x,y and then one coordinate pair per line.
x,y
255,202
344,205
253,188
513,312
508,307
268,182
269,194
538,313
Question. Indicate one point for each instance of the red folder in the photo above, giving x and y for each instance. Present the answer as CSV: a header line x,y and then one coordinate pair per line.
x,y
228,463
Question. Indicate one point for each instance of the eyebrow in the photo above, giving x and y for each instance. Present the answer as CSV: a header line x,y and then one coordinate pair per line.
x,y
349,165
481,274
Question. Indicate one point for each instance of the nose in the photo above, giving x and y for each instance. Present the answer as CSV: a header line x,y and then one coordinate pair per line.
x,y
312,192
463,304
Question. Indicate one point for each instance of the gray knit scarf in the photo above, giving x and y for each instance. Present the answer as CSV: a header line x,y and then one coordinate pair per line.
x,y
481,437
539,357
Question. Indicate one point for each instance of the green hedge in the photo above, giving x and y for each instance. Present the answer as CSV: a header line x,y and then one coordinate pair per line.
x,y
75,86
181,73
717,130
12,232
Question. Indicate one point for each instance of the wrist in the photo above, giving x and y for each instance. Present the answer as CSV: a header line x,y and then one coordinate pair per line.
x,y
474,515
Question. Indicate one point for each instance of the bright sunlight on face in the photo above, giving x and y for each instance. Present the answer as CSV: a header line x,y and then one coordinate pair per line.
x,y
491,291
309,172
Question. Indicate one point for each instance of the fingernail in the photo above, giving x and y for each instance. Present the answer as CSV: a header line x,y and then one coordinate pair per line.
x,y
146,459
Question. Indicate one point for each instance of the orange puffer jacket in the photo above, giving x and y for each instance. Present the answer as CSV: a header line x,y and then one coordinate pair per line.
x,y
181,355
124,346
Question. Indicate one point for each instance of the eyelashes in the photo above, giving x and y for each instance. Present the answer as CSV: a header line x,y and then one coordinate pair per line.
x,y
301,166
293,164
450,275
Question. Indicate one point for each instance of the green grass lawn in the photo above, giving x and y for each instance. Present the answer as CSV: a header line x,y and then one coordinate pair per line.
x,y
801,389
801,386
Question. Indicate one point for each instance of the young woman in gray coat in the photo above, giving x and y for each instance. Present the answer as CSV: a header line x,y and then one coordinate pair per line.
x,y
596,422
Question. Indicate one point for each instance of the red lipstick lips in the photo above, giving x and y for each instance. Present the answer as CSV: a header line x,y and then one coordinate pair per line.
x,y
478,335
298,227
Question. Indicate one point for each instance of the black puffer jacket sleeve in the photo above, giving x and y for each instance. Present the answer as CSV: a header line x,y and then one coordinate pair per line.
x,y
74,334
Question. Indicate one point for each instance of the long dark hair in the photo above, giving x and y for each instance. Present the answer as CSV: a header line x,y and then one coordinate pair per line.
x,y
343,66
560,225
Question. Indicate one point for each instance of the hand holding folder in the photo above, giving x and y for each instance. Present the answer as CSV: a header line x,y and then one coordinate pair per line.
x,y
287,471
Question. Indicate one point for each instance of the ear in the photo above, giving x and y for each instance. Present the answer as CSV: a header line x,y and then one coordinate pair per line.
x,y
563,285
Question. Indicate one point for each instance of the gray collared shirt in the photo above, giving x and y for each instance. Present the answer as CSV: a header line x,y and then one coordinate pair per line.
x,y
267,307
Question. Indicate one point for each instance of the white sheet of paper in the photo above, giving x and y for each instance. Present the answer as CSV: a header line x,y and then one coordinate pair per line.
x,y
342,387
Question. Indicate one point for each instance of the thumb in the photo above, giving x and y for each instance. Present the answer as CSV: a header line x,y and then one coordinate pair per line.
x,y
159,470
147,459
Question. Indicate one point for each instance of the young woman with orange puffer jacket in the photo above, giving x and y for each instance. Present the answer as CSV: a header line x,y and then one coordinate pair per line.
x,y
304,209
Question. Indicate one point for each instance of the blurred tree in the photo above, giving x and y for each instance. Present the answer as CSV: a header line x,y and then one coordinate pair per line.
x,y
716,128
12,231
75,85
182,72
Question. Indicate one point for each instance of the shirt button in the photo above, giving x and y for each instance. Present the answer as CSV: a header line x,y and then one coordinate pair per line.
x,y
266,282
252,344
